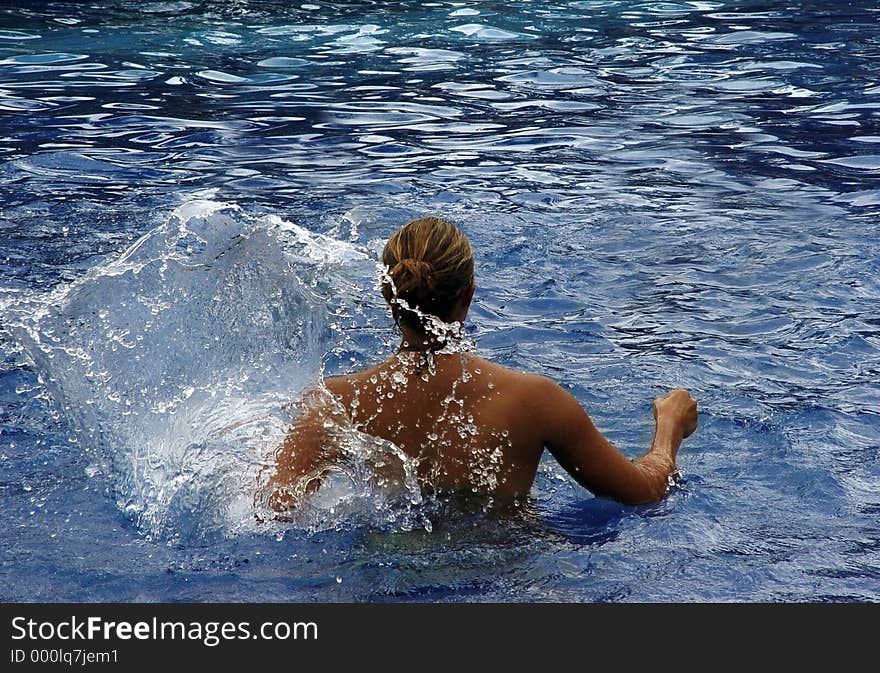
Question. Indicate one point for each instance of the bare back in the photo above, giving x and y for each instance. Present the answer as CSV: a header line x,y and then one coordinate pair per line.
x,y
468,422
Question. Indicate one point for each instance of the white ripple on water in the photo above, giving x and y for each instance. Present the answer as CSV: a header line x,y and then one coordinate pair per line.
x,y
426,60
526,140
283,62
485,33
165,7
17,35
221,38
222,77
25,104
862,162
478,90
702,120
362,41
865,197
745,37
565,77
465,11
385,115
304,31
748,66
42,59
744,86
556,105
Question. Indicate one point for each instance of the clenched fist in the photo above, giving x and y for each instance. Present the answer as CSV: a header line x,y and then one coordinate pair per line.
x,y
678,407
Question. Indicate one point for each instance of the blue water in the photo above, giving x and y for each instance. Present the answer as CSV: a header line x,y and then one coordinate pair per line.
x,y
659,194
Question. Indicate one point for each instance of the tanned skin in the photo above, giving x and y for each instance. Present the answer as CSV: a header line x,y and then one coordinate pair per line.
x,y
476,426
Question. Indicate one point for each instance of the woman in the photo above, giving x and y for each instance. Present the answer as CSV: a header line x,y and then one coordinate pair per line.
x,y
467,423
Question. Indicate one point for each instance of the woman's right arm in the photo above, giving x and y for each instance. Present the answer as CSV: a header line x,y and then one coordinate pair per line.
x,y
597,464
308,451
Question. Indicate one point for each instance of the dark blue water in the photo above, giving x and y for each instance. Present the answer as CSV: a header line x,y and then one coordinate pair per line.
x,y
659,195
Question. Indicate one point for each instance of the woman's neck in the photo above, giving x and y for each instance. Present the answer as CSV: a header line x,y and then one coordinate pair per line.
x,y
411,340
419,346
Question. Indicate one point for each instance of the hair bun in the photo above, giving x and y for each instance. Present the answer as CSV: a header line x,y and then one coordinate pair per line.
x,y
429,265
413,277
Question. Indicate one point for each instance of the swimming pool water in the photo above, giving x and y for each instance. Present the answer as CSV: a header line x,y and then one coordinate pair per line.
x,y
659,194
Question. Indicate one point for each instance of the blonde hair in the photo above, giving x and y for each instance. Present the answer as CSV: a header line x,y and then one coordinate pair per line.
x,y
430,264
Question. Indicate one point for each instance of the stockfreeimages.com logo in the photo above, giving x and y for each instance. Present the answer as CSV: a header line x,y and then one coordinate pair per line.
x,y
210,633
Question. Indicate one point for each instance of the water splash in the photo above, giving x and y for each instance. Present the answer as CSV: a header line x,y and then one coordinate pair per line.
x,y
175,361
365,481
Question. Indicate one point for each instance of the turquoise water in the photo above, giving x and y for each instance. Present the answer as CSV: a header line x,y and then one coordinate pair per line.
x,y
192,198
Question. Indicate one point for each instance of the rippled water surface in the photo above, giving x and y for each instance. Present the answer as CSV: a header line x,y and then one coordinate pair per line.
x,y
659,194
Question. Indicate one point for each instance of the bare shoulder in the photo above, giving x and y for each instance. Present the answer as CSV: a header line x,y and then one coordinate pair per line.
x,y
542,394
340,386
344,388
534,389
